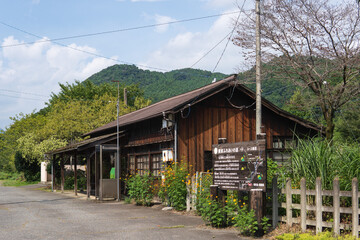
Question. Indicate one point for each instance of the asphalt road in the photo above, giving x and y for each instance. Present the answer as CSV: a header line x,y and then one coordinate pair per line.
x,y
26,213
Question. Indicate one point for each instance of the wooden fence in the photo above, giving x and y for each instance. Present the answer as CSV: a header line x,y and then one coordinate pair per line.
x,y
318,207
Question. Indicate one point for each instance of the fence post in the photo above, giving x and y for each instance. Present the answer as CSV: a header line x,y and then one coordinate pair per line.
x,y
355,207
193,190
303,204
275,203
196,191
288,203
336,205
188,195
318,199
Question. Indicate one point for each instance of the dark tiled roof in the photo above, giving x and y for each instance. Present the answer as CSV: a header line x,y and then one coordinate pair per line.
x,y
175,104
172,104
84,144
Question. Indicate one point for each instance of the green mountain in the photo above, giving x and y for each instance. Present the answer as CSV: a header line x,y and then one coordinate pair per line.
x,y
158,85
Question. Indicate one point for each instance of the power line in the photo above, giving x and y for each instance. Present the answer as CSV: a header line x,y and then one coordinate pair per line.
x,y
19,97
111,31
87,52
13,91
217,44
232,32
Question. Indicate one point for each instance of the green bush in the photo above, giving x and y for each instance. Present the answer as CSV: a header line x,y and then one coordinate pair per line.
x,y
245,221
214,213
140,189
30,167
173,187
69,180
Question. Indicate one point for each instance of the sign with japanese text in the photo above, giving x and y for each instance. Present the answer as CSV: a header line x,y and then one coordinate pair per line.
x,y
240,166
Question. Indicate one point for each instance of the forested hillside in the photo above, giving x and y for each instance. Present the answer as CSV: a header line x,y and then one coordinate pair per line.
x,y
158,86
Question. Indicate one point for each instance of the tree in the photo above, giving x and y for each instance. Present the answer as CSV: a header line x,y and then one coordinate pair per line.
x,y
348,124
316,44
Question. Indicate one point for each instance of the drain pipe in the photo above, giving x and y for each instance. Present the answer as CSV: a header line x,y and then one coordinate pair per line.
x,y
175,140
175,133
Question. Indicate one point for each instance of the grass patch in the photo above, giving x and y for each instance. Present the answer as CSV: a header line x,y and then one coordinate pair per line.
x,y
170,227
15,183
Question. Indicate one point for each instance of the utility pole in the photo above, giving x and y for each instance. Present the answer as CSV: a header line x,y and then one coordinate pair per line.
x,y
117,173
257,197
258,70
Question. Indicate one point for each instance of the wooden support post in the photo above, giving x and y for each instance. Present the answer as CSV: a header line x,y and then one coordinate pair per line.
x,y
88,176
52,173
257,204
101,173
275,203
303,204
96,175
75,174
336,206
288,203
355,207
62,173
213,191
318,200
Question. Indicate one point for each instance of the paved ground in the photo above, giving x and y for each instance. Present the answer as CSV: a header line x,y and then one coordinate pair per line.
x,y
27,213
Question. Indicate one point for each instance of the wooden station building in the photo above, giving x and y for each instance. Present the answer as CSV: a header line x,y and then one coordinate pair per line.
x,y
187,125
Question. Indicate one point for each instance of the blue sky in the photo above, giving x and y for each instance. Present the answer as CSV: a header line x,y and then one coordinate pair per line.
x,y
30,72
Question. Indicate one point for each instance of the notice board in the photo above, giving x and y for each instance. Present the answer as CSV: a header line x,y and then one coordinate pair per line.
x,y
240,166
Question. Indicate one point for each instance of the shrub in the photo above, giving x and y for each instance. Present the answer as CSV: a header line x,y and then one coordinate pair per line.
x,y
245,221
69,180
140,189
173,187
214,213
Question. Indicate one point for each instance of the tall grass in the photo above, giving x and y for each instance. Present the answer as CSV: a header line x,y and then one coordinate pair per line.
x,y
316,157
349,167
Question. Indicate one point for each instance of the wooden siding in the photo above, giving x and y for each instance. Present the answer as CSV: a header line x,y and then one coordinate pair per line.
x,y
211,120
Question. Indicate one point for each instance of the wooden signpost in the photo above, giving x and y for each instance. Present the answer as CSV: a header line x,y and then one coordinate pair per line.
x,y
240,166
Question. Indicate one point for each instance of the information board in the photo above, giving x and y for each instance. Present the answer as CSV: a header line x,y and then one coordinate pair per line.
x,y
240,166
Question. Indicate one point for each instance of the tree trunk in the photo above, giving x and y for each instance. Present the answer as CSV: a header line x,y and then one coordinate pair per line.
x,y
329,131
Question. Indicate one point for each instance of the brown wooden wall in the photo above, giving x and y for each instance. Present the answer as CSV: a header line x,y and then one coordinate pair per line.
x,y
215,118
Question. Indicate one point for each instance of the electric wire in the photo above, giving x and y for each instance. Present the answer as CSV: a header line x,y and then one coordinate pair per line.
x,y
13,91
113,31
232,32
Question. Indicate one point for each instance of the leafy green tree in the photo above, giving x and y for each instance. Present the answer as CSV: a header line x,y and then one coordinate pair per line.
x,y
78,108
317,41
348,123
29,167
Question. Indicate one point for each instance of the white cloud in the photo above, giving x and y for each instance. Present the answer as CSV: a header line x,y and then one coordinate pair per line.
x,y
38,68
185,49
146,0
227,4
221,3
162,20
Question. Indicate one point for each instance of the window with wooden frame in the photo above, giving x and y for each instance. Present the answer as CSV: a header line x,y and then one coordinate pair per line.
x,y
156,164
282,146
142,164
132,167
147,162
